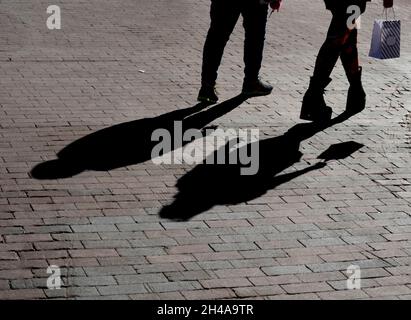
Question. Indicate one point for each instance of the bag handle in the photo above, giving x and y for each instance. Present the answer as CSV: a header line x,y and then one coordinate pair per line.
x,y
385,11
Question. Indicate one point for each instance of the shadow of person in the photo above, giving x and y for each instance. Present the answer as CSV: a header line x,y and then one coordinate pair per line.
x,y
126,143
208,185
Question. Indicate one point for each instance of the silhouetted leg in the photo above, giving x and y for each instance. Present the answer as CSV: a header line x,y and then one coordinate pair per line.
x,y
349,54
314,107
331,49
255,20
224,16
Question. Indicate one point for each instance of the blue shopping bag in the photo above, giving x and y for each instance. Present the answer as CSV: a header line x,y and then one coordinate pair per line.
x,y
386,39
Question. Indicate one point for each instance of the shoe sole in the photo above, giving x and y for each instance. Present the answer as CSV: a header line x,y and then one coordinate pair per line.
x,y
256,94
206,100
324,118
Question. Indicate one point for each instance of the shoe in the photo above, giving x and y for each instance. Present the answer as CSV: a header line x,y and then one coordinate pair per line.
x,y
356,98
314,107
207,94
254,88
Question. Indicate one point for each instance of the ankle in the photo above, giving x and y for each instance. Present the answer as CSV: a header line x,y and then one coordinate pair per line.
x,y
253,79
208,84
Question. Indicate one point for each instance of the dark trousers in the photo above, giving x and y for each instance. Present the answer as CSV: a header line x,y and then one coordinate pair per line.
x,y
224,16
341,43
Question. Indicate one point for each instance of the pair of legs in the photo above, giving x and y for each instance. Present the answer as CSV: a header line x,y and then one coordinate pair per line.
x,y
341,43
224,17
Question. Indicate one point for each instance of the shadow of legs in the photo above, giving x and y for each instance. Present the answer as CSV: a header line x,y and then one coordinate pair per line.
x,y
126,143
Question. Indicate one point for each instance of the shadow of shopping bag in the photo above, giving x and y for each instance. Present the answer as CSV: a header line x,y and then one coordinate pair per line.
x,y
386,39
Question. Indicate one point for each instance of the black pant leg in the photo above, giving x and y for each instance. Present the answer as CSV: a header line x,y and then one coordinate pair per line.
x,y
224,16
255,20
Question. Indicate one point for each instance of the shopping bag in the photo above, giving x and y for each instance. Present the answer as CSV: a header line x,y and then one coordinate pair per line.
x,y
386,39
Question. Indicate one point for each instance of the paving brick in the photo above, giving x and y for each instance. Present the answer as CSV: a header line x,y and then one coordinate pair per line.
x,y
22,294
84,253
299,260
105,297
388,291
8,256
307,251
121,289
92,281
144,251
104,244
273,280
143,278
174,286
75,262
253,254
209,265
321,276
189,249
280,270
242,238
94,228
268,291
279,244
63,245
44,254
240,246
197,240
217,256
188,275
4,285
225,283
158,296
343,295
342,284
209,294
395,280
110,270
160,267
77,292
170,258
336,257
298,296
336,266
111,220
253,263
28,238
240,272
306,287
322,242
36,283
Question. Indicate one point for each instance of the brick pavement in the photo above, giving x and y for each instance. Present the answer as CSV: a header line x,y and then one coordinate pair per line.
x,y
114,62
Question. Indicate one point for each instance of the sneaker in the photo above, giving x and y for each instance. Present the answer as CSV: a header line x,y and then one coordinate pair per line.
x,y
208,94
256,88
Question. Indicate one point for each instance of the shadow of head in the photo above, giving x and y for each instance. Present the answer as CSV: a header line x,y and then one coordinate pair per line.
x,y
340,151
55,169
126,143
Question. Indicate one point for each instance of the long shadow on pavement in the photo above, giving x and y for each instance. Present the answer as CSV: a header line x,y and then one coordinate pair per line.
x,y
208,185
126,143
